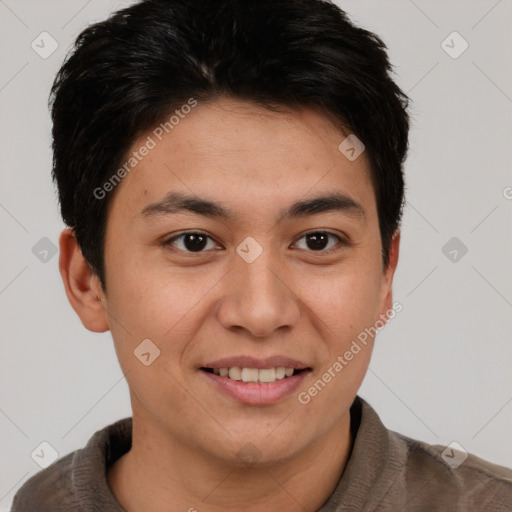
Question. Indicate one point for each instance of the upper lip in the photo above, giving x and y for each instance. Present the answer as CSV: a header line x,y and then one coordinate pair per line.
x,y
254,362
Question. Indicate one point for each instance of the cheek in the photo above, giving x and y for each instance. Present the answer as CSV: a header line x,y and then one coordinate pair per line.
x,y
346,307
148,301
345,302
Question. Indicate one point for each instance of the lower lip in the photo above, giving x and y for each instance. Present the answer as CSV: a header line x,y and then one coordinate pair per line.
x,y
254,393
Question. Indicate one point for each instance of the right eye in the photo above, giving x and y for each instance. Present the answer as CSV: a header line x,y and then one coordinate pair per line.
x,y
191,241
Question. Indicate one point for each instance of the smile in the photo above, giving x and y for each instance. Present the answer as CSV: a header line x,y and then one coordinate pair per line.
x,y
255,381
263,375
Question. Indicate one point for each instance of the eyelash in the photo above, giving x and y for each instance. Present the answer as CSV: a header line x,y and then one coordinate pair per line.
x,y
341,242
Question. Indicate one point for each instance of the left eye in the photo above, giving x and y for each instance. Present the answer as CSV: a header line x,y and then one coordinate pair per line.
x,y
316,241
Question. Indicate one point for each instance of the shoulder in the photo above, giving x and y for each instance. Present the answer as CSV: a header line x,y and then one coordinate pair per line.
x,y
77,482
453,476
50,489
391,471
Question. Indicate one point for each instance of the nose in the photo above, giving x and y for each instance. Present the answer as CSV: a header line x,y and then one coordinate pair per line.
x,y
259,298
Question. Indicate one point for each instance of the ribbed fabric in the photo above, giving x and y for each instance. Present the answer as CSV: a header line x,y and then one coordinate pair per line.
x,y
386,472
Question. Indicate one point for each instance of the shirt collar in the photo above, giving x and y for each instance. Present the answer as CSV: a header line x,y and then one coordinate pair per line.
x,y
368,474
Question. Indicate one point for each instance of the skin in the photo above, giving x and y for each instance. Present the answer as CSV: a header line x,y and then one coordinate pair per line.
x,y
199,307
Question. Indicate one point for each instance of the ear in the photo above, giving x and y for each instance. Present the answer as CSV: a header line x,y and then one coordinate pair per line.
x,y
389,272
82,286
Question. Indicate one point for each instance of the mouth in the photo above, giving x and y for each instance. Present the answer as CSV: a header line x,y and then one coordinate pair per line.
x,y
256,381
258,375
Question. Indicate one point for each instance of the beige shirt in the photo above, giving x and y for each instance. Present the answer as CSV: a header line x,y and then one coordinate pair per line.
x,y
386,472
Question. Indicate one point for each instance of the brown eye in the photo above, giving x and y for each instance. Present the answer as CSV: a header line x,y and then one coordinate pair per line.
x,y
317,241
190,242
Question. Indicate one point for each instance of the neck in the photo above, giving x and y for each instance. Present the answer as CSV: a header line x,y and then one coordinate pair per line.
x,y
160,474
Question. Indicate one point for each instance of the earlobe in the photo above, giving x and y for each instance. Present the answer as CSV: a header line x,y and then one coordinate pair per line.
x,y
82,286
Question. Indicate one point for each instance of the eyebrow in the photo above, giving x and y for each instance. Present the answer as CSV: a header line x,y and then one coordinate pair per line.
x,y
176,202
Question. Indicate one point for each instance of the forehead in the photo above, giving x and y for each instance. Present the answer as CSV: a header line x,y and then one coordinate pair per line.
x,y
246,155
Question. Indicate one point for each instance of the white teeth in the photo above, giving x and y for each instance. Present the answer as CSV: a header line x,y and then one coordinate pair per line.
x,y
254,374
250,374
235,373
281,372
267,375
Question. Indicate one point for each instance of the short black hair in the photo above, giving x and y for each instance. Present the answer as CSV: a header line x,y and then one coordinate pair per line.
x,y
126,74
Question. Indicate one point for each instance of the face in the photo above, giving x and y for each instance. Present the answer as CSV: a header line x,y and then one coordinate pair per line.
x,y
254,272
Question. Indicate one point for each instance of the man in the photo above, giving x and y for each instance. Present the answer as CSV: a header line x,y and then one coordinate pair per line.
x,y
231,177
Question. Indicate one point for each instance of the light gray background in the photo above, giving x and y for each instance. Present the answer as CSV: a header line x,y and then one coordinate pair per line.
x,y
441,370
